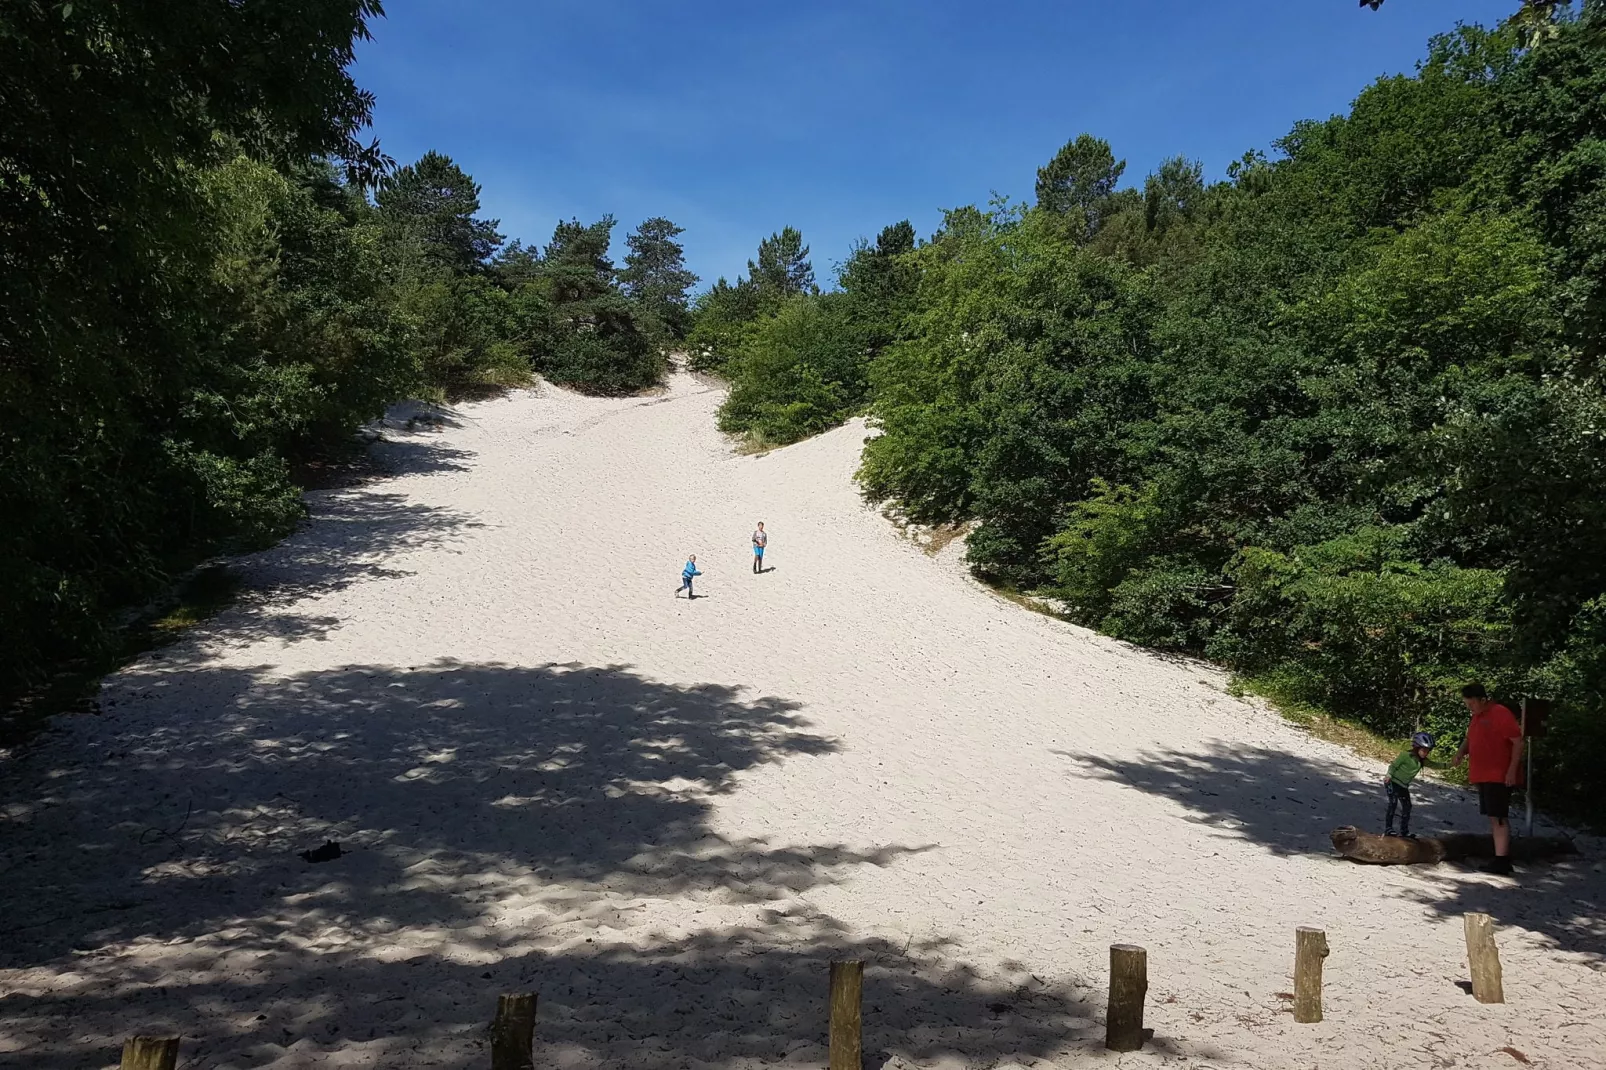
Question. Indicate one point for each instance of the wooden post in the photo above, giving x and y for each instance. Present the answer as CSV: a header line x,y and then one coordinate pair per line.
x,y
1310,948
847,1026
1484,959
1129,987
513,1032
150,1053
1528,779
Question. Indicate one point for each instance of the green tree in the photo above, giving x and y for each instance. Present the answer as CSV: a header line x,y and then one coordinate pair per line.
x,y
798,373
656,279
576,266
782,269
112,459
1079,184
1172,194
882,274
722,318
435,204
596,343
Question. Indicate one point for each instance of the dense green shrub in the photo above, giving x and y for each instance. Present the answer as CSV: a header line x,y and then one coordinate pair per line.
x,y
798,360
797,373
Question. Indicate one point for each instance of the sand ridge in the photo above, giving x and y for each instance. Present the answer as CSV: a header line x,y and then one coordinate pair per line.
x,y
666,817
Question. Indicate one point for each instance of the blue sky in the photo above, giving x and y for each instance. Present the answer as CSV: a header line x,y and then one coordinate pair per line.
x,y
735,119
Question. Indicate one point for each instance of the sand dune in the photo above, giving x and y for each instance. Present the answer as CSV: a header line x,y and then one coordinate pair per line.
x,y
666,817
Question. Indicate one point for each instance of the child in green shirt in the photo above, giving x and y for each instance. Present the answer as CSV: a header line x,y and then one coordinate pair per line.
x,y
1397,784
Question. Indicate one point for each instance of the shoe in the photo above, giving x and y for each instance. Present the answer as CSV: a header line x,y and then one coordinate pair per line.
x,y
1390,832
1500,866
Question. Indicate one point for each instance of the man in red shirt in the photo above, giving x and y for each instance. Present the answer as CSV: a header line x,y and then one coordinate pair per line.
x,y
1494,747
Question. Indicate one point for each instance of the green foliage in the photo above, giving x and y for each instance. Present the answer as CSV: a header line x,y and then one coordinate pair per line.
x,y
599,364
782,270
722,318
433,204
1337,422
1023,366
465,332
1078,184
1110,536
595,342
1359,626
177,323
727,316
1570,755
798,360
656,279
798,373
198,299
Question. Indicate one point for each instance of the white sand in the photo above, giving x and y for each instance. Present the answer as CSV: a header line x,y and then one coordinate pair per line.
x,y
667,817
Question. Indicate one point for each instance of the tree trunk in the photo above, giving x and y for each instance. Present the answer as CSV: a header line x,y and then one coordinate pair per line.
x,y
1361,846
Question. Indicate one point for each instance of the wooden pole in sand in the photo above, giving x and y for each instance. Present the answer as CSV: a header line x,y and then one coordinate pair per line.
x,y
1484,959
1129,987
513,1032
150,1053
847,1025
1310,948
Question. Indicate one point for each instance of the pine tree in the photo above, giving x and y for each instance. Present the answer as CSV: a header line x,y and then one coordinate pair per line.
x,y
783,267
1079,184
656,278
435,203
576,264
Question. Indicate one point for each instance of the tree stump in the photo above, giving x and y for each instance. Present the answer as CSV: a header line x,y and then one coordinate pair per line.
x,y
513,1032
847,1026
1310,949
1129,987
1484,959
150,1053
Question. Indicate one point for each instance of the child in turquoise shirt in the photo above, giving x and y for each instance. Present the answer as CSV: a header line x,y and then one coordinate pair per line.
x,y
688,574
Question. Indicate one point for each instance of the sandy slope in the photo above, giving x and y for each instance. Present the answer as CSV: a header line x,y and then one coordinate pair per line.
x,y
667,817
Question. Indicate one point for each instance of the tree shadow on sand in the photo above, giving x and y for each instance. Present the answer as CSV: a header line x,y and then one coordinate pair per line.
x,y
561,773
737,998
503,827
352,537
1290,804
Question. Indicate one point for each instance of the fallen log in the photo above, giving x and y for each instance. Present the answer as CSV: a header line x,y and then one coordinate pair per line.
x,y
1369,847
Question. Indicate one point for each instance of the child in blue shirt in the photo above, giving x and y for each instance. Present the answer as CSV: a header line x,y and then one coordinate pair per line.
x,y
687,574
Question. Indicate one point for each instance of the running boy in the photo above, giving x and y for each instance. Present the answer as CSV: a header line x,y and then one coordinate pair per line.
x,y
760,540
688,574
1397,784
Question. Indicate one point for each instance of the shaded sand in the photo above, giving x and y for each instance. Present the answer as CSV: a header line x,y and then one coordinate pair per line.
x,y
668,816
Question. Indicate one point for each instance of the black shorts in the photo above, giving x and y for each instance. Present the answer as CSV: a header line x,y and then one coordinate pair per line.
x,y
1494,800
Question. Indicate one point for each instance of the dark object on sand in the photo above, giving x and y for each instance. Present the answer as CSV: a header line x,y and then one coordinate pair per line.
x,y
327,853
1369,847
